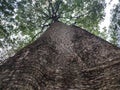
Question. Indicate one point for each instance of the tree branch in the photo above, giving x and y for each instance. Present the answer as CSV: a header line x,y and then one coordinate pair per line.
x,y
43,26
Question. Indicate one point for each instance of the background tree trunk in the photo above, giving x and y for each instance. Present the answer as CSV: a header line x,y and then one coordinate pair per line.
x,y
63,58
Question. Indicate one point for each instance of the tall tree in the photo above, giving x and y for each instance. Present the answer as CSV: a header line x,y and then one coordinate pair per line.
x,y
63,58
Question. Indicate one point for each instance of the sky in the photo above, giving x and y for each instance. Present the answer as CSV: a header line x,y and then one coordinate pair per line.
x,y
108,8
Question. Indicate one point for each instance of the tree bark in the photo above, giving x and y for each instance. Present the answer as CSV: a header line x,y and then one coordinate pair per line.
x,y
63,58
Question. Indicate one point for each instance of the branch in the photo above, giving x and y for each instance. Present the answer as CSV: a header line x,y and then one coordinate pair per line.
x,y
50,4
41,29
57,6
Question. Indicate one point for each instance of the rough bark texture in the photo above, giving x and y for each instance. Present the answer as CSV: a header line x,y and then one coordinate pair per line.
x,y
63,58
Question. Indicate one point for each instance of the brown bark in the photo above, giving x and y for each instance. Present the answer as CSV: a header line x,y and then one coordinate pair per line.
x,y
63,58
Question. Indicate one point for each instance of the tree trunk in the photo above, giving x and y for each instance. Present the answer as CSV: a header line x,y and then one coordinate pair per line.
x,y
63,58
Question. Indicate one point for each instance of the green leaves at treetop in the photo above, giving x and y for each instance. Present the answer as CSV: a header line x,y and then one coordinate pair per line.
x,y
7,12
38,13
114,28
32,17
7,7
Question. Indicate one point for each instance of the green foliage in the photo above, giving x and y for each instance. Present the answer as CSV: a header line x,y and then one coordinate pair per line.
x,y
6,20
6,7
30,18
115,25
83,13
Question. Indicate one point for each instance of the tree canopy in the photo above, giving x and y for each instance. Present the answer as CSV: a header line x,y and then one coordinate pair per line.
x,y
115,25
22,21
